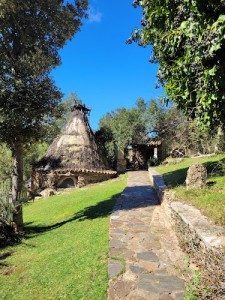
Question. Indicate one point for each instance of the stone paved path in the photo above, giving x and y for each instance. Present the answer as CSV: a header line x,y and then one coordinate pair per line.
x,y
145,259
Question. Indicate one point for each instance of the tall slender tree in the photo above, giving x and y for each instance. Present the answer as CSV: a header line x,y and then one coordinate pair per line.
x,y
31,34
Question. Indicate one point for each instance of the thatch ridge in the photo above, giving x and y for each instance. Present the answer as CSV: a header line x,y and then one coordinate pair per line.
x,y
75,147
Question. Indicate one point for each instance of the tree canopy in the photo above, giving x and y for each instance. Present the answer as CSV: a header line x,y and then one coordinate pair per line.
x,y
127,126
188,42
31,34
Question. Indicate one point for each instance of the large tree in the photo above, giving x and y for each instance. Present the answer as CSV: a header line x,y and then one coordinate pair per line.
x,y
31,34
128,126
188,42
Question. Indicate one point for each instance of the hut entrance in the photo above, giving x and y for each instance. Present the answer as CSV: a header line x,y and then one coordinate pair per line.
x,y
67,183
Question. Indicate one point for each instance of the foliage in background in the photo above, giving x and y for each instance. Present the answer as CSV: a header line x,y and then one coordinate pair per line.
x,y
188,42
123,127
6,162
6,211
153,119
105,140
127,126
7,230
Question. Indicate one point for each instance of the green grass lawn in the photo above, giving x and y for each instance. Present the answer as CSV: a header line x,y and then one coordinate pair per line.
x,y
65,249
210,201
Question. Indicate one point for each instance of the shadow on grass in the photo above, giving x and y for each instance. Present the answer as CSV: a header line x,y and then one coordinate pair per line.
x,y
3,257
131,197
175,178
178,177
100,210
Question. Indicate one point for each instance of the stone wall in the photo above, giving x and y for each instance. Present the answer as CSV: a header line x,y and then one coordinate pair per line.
x,y
158,183
202,240
42,180
46,179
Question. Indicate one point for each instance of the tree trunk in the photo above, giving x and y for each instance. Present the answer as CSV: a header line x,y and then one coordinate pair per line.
x,y
17,185
220,140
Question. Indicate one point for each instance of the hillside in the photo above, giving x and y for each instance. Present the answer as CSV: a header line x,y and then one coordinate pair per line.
x,y
210,201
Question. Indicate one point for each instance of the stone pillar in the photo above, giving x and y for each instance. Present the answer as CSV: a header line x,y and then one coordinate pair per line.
x,y
156,152
51,180
196,176
121,161
81,181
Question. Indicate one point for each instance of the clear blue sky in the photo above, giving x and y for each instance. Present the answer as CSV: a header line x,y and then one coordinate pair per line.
x,y
105,72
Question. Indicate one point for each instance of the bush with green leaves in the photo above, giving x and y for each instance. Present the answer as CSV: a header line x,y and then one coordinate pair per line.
x,y
153,161
188,42
6,211
7,229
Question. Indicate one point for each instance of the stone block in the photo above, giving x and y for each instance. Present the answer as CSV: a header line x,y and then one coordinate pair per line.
x,y
196,176
47,193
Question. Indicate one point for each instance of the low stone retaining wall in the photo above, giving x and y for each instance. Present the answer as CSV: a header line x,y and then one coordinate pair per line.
x,y
204,241
158,183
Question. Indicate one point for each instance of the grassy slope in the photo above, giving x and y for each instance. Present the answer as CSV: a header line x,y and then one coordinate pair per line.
x,y
210,201
64,254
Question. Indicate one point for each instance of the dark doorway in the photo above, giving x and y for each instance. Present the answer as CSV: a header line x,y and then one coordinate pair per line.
x,y
67,183
149,153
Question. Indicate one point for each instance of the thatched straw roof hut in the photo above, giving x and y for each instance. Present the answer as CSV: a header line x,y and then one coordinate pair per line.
x,y
74,158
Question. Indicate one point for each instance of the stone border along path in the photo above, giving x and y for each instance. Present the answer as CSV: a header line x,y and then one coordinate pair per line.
x,y
145,261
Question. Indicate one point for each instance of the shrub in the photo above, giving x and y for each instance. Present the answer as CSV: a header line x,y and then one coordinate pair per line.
x,y
152,162
7,229
219,168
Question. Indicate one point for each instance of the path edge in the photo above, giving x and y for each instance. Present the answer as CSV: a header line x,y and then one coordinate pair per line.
x,y
197,235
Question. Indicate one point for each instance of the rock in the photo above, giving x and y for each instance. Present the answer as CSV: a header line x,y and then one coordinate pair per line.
x,y
179,296
123,288
47,193
161,283
165,296
115,267
149,266
136,269
196,176
111,293
147,286
148,256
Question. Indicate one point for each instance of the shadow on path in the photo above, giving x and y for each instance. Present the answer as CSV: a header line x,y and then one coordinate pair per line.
x,y
136,196
3,257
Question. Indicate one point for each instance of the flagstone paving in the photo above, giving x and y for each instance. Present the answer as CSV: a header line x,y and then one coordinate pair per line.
x,y
145,259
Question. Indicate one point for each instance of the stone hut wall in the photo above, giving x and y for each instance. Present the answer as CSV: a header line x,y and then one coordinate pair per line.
x,y
47,179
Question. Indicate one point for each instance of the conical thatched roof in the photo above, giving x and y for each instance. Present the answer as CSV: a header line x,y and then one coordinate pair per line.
x,y
75,147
